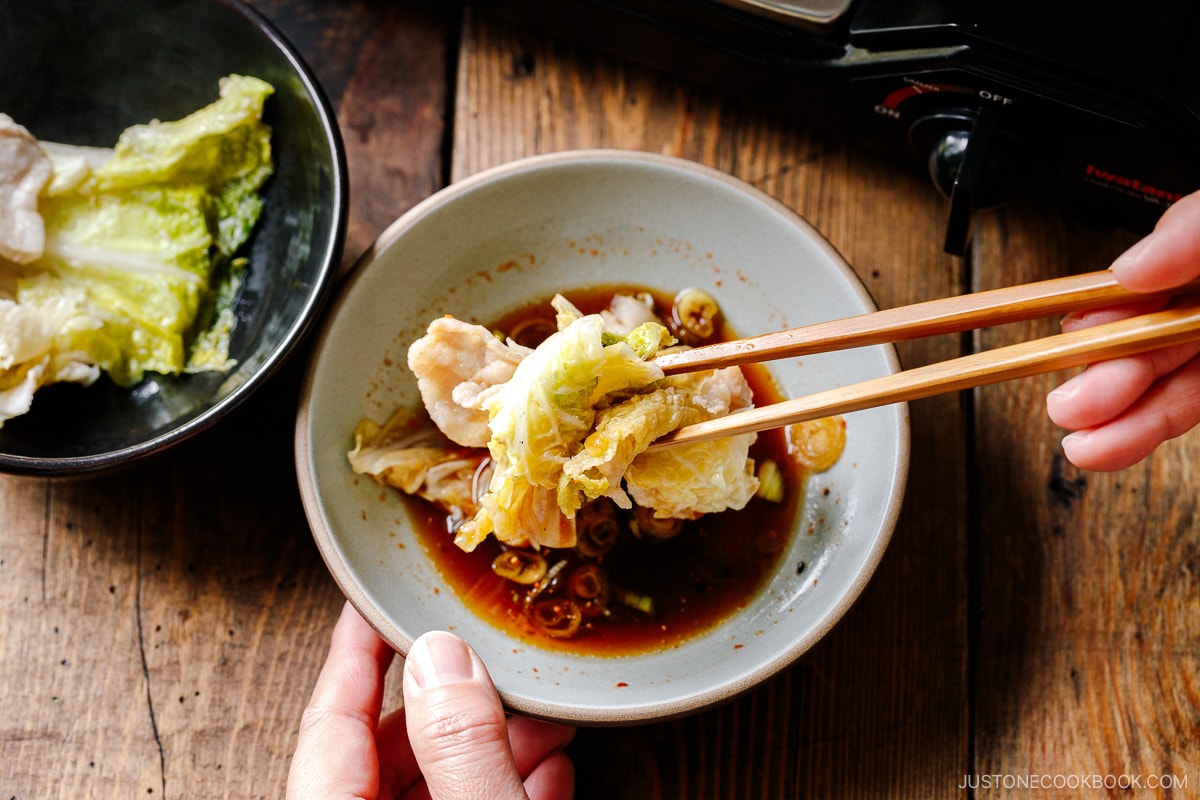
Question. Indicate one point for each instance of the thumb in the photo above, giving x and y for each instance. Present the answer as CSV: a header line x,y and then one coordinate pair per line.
x,y
456,724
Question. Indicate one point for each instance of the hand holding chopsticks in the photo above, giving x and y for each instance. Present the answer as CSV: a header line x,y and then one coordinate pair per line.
x,y
966,312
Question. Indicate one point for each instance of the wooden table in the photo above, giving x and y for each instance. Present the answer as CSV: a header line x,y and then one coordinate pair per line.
x,y
161,628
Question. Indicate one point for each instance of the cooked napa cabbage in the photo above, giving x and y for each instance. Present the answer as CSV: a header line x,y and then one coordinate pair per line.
x,y
539,418
693,479
622,431
406,457
570,424
709,477
135,270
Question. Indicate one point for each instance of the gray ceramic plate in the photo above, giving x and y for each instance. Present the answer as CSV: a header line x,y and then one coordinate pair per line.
x,y
490,244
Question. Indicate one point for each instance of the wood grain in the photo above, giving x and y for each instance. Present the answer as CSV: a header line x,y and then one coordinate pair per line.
x,y
891,679
1088,602
161,628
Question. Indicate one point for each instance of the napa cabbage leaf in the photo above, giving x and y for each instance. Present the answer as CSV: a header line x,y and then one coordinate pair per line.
x,y
689,480
573,423
539,418
138,272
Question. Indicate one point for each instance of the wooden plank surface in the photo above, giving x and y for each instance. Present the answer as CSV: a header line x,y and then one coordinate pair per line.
x,y
1088,584
879,707
161,628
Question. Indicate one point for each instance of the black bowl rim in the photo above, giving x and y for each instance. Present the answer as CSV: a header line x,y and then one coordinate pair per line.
x,y
304,323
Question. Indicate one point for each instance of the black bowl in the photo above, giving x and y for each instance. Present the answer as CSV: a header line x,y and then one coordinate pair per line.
x,y
80,72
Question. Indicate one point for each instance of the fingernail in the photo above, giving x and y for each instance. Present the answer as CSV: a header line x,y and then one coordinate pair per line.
x,y
1134,255
1078,437
440,659
1063,391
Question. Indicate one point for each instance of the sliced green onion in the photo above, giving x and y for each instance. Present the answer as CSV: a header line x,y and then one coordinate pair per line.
x,y
520,566
642,603
770,482
559,619
645,524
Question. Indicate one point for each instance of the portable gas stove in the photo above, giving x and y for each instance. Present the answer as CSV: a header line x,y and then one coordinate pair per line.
x,y
1099,104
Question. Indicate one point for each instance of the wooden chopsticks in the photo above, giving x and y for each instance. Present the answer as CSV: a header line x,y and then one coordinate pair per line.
x,y
966,312
933,317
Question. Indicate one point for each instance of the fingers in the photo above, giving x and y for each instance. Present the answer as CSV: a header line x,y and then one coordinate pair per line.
x,y
1169,409
1122,409
536,746
398,768
335,752
1169,256
533,741
1100,393
1078,320
552,779
456,723
1108,388
463,746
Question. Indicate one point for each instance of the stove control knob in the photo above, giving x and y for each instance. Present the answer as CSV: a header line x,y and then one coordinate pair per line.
x,y
972,162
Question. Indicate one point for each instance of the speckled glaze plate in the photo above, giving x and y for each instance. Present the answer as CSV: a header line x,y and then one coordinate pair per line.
x,y
493,242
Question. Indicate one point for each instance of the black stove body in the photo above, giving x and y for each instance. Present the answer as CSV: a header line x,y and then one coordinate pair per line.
x,y
1096,103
